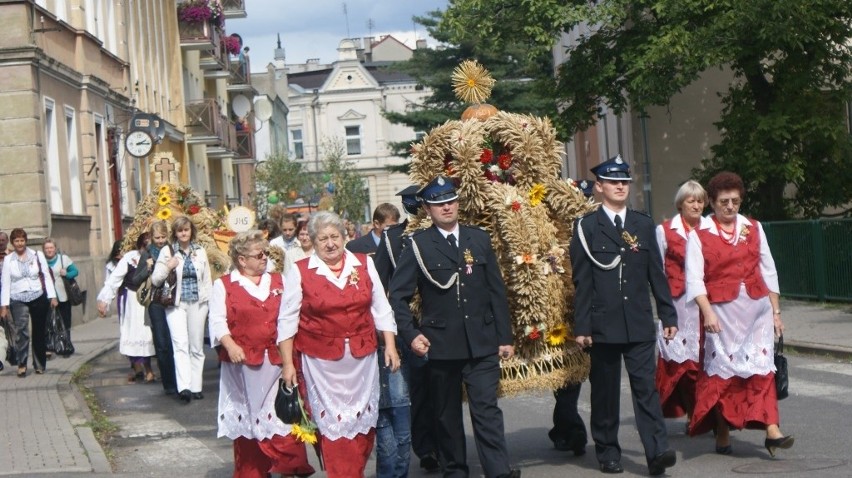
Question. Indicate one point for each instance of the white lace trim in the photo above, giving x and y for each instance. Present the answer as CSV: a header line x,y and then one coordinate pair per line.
x,y
685,345
746,343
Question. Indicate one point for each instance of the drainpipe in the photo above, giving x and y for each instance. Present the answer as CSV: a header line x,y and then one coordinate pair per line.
x,y
314,106
646,165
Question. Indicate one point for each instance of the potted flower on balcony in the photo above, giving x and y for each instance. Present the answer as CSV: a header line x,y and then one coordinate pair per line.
x,y
200,11
233,43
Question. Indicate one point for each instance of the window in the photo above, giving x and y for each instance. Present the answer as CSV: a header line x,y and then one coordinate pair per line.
x,y
74,179
298,148
419,135
54,172
353,140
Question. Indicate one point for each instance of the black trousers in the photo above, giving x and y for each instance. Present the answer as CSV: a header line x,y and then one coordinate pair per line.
x,y
605,377
422,417
163,346
568,425
23,314
65,313
480,377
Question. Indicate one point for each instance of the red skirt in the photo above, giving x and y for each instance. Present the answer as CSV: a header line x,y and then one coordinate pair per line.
x,y
744,402
279,454
676,386
347,457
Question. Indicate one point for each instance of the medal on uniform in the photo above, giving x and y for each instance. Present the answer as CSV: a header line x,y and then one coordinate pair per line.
x,y
468,260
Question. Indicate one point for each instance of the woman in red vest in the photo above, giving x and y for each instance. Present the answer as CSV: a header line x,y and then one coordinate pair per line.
x,y
244,308
678,364
731,275
334,303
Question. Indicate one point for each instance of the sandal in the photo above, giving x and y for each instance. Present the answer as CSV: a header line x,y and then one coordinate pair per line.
x,y
22,372
131,378
150,378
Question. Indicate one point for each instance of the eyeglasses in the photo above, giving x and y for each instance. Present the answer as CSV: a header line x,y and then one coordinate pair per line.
x,y
260,255
731,201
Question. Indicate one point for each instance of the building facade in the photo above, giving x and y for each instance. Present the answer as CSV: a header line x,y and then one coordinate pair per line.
x,y
75,75
343,102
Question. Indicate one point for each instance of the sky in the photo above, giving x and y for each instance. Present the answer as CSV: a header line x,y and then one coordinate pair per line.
x,y
314,28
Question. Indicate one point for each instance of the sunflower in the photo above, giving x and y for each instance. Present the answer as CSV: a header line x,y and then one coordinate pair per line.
x,y
557,335
537,193
471,82
303,434
164,189
164,213
164,200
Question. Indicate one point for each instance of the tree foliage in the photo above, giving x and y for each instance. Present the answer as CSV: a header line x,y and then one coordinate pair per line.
x,y
349,193
521,73
278,175
784,122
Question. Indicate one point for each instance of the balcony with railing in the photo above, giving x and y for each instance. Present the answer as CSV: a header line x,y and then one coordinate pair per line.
x,y
216,62
234,8
199,35
240,79
205,124
245,146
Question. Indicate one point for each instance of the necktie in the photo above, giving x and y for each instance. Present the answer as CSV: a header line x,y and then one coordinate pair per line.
x,y
451,238
618,226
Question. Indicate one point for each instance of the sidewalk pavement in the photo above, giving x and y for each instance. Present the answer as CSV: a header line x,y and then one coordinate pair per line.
x,y
45,417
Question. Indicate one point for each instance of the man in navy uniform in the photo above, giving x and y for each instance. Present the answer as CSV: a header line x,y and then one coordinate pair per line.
x,y
464,329
422,419
385,215
615,262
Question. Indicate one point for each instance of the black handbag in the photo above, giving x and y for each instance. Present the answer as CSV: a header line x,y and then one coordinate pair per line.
x,y
57,339
287,403
782,381
72,289
165,294
11,347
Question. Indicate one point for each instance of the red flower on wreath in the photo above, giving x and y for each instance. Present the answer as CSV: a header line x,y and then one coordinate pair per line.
x,y
194,209
516,206
486,157
491,176
535,334
504,161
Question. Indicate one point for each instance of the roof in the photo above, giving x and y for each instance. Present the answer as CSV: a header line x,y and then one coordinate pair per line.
x,y
311,80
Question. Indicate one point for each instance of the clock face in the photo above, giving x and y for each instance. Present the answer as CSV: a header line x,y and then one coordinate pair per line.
x,y
138,143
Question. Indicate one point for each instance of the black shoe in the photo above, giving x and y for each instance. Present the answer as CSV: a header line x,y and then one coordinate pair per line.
x,y
430,463
198,396
185,395
513,473
1,366
612,467
772,443
658,465
724,450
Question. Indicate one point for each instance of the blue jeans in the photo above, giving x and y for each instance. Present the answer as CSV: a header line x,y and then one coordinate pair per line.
x,y
393,442
393,430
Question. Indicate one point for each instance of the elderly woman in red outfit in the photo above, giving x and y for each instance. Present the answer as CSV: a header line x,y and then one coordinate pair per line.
x,y
730,273
334,303
677,365
244,309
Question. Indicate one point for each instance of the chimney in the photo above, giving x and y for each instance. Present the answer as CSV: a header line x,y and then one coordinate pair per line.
x,y
420,44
